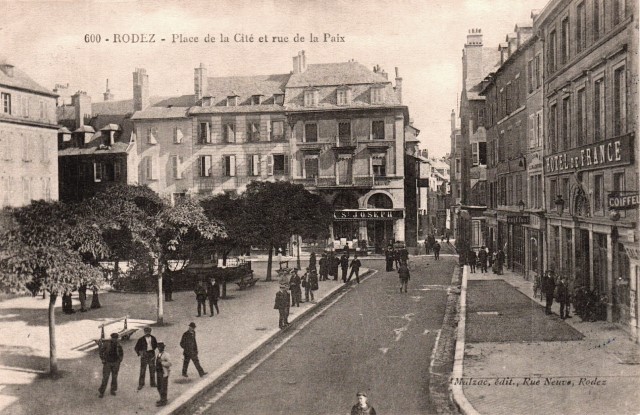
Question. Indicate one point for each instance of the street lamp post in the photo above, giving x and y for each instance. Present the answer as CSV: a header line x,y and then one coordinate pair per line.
x,y
559,202
521,206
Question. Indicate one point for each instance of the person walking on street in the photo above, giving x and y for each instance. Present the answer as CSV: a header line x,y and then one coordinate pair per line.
x,y
362,407
436,250
403,273
163,367
388,256
404,255
482,259
500,257
111,355
282,304
548,286
296,290
312,262
213,293
563,297
201,298
146,349
344,265
472,259
190,351
396,257
355,268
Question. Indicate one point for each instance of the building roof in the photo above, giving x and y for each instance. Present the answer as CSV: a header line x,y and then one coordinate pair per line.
x,y
85,129
490,63
331,74
110,127
244,87
160,112
23,81
95,147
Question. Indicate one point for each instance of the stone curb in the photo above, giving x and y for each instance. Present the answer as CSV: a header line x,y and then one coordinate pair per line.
x,y
200,388
458,393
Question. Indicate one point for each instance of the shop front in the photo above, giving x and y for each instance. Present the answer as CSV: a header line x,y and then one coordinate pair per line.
x,y
365,229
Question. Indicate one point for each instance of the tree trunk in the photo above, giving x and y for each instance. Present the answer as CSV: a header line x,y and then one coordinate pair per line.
x,y
53,355
269,263
160,319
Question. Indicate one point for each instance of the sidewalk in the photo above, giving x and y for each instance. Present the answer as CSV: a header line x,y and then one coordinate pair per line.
x,y
246,321
517,360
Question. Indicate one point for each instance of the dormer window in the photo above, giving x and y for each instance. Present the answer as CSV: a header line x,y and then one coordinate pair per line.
x,y
377,94
343,95
207,101
232,100
256,99
111,138
278,99
311,97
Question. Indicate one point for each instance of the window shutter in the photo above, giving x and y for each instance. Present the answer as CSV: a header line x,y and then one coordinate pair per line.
x,y
207,166
232,165
268,138
207,136
177,135
270,165
287,161
256,165
179,169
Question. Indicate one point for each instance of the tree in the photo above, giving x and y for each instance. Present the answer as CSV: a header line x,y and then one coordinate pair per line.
x,y
49,243
278,210
232,213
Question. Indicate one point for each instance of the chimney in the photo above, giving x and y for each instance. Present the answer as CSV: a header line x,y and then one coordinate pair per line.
x,y
108,96
82,104
398,87
140,89
453,120
512,43
303,63
296,64
472,68
200,81
474,37
504,51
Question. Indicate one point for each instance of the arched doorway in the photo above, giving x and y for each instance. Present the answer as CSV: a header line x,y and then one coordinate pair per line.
x,y
379,201
379,232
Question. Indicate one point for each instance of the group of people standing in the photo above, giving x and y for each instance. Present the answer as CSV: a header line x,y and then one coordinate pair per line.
x,y
152,356
557,288
486,258
395,257
432,244
208,290
67,305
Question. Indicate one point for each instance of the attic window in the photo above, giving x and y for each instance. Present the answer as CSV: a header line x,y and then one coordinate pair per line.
x,y
278,99
343,96
311,97
377,93
256,99
232,100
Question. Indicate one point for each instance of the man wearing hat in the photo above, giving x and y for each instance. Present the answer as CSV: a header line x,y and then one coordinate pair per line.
x,y
163,365
190,350
111,355
146,350
283,302
362,407
296,290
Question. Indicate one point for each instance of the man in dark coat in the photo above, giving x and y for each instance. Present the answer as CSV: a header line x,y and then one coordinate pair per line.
x,y
548,286
404,255
362,407
472,259
355,269
190,350
482,258
336,267
344,265
324,267
282,304
201,298
388,257
213,293
146,349
436,250
563,297
82,296
403,273
111,355
295,288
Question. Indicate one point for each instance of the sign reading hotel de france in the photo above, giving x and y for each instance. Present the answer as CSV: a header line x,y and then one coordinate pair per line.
x,y
603,154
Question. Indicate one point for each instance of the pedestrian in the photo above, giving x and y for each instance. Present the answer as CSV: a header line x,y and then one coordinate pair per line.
x,y
482,259
111,355
95,300
388,256
472,259
344,264
282,304
403,273
436,250
296,290
362,407
336,267
213,293
355,268
146,349
312,262
167,285
427,245
201,298
67,305
311,283
331,266
190,350
396,257
548,286
562,295
447,235
163,367
324,269
500,257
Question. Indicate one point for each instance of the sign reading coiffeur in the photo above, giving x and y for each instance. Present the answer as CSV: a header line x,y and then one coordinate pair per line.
x,y
613,152
623,200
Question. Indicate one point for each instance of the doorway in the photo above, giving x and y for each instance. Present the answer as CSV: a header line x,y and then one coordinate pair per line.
x,y
379,234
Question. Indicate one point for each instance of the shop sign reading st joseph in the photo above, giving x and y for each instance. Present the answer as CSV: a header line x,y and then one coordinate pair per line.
x,y
355,214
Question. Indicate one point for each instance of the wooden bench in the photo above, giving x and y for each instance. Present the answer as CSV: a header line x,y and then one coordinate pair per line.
x,y
125,333
244,283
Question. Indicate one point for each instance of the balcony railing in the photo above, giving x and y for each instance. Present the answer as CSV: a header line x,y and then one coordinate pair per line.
x,y
354,181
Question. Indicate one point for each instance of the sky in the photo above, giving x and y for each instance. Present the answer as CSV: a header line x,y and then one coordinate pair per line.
x,y
422,38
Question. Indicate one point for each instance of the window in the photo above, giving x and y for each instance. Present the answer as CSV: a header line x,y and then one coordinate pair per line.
x,y
598,194
232,100
253,164
619,101
598,109
342,96
344,131
253,132
502,183
553,112
565,40
229,133
256,99
618,186
508,100
553,194
474,154
552,52
597,20
311,98
280,164
177,135
377,95
537,72
204,166
482,153
6,103
150,169
204,133
539,129
566,193
98,169
377,130
310,166
311,133
176,167
458,170
277,130
532,132
480,117
535,192
618,11
151,135
581,26
581,118
566,123
379,165
230,166
530,75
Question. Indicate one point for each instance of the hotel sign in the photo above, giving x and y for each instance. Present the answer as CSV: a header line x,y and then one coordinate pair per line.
x,y
601,155
623,200
368,214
